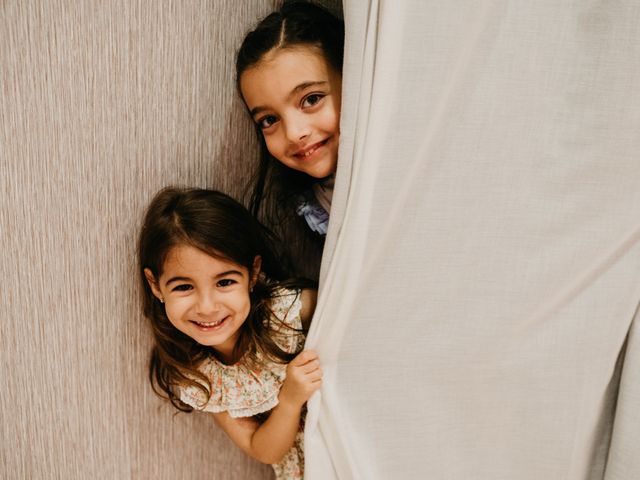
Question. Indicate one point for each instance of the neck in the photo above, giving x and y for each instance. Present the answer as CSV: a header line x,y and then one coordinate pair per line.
x,y
225,355
225,352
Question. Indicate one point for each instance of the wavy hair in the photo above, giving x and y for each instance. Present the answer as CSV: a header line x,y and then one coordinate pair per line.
x,y
221,227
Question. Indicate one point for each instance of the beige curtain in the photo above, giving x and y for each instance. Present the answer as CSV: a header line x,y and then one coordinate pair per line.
x,y
101,104
482,269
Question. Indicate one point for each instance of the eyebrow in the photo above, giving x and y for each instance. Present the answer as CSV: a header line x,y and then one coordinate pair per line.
x,y
176,279
187,279
298,88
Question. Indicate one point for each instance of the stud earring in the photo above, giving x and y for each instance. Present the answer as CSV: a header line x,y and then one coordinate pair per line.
x,y
162,300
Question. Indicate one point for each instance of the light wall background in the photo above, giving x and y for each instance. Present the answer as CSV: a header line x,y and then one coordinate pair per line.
x,y
101,104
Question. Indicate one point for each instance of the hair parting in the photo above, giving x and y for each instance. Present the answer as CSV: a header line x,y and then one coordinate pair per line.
x,y
295,24
219,226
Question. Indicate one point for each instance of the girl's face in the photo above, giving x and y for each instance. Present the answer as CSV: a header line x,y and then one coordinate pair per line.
x,y
294,95
205,297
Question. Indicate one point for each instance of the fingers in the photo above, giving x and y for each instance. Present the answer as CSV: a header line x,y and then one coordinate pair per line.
x,y
311,366
307,363
304,357
304,377
315,377
305,367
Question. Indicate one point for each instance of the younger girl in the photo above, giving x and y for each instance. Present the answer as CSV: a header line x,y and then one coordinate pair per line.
x,y
228,325
289,74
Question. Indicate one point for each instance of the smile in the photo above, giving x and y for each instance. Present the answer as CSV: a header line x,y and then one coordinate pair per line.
x,y
307,152
210,325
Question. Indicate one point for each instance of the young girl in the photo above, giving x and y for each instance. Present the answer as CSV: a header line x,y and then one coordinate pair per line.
x,y
228,325
289,74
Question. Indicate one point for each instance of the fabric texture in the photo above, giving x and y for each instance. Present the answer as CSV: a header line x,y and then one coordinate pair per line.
x,y
315,206
481,273
317,218
244,392
323,191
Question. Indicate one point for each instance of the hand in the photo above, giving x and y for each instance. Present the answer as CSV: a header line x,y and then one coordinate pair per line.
x,y
304,377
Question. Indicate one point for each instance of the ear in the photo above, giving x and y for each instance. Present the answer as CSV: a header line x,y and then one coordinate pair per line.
x,y
153,283
255,270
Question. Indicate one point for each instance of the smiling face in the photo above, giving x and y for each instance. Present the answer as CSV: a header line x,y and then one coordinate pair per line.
x,y
205,297
294,95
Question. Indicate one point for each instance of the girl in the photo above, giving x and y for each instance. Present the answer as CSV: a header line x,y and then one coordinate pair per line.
x,y
289,74
228,325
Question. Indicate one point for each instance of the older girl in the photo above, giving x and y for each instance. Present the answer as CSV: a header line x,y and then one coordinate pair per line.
x,y
289,74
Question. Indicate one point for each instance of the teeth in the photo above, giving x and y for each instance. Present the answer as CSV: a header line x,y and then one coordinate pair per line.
x,y
306,154
209,324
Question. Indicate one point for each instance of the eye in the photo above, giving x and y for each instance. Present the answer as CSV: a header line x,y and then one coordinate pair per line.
x,y
226,282
182,288
266,121
312,99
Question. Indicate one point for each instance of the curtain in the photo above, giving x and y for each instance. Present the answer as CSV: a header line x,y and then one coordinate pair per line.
x,y
481,274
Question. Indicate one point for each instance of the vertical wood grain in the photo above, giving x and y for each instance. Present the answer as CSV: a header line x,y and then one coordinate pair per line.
x,y
102,104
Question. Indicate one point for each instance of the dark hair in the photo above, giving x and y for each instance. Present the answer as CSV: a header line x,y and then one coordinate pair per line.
x,y
295,23
219,226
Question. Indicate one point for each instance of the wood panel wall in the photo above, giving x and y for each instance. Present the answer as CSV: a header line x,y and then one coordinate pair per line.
x,y
103,102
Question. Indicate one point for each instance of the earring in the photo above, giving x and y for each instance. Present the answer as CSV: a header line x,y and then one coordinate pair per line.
x,y
161,300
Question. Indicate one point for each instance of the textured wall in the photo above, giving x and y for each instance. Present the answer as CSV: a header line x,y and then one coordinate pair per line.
x,y
103,103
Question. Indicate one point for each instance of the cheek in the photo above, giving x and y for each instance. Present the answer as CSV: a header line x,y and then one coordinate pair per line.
x,y
240,304
277,149
243,305
172,316
334,118
270,142
329,119
175,310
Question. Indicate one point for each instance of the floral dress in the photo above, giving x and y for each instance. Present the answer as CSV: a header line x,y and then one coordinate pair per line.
x,y
244,393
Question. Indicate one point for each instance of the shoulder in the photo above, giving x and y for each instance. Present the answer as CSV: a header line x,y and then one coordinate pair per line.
x,y
308,299
294,307
285,305
285,322
314,214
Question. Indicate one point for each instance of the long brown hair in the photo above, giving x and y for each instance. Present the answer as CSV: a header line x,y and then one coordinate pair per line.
x,y
295,23
219,226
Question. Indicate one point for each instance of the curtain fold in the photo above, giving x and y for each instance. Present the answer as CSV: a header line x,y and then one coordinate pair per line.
x,y
482,267
623,460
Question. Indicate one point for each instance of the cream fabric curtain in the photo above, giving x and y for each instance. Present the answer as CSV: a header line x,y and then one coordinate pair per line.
x,y
482,269
481,274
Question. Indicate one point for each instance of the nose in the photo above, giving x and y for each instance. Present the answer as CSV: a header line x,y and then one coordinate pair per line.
x,y
207,304
297,127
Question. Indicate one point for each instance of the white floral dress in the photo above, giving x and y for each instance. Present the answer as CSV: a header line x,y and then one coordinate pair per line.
x,y
244,393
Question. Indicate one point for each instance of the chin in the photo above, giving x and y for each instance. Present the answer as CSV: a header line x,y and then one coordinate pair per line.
x,y
324,170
